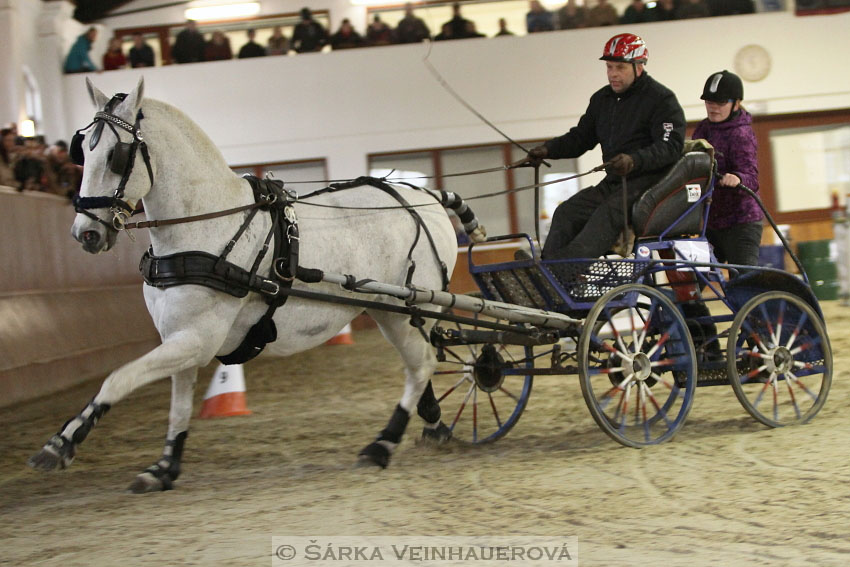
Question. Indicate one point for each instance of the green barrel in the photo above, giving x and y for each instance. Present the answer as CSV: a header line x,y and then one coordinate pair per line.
x,y
822,272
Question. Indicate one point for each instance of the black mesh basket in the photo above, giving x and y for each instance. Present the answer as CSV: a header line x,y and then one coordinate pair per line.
x,y
588,280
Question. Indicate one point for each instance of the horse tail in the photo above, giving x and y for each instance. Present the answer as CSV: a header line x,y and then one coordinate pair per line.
x,y
473,229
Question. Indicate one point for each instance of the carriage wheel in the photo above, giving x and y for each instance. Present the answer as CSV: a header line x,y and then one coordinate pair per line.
x,y
482,389
637,365
780,359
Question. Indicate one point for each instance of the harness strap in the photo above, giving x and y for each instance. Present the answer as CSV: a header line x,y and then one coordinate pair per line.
x,y
206,216
420,224
203,268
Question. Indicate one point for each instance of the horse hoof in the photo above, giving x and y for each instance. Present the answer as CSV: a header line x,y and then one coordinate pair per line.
x,y
437,435
374,454
56,454
46,460
146,482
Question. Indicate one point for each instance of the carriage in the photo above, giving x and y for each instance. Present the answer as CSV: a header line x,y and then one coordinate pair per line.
x,y
641,331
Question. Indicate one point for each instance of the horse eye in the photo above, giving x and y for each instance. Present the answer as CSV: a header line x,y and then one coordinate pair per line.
x,y
109,157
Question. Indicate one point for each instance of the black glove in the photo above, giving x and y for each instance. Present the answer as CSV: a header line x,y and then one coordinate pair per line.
x,y
538,152
620,164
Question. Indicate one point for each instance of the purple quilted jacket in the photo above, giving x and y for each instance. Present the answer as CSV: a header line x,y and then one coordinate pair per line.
x,y
735,150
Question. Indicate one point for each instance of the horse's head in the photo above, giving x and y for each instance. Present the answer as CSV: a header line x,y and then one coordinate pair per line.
x,y
118,170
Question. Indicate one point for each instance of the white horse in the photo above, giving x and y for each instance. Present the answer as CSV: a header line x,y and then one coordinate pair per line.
x,y
186,175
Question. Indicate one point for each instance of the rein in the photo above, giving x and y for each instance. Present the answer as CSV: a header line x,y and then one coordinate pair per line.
x,y
226,212
194,218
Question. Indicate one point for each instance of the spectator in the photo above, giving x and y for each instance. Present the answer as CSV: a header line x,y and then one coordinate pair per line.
x,y
603,14
190,45
7,158
30,165
114,57
65,177
141,54
538,19
78,60
471,30
636,13
664,11
252,48
730,7
641,128
278,44
218,48
379,33
308,35
503,28
571,16
692,9
445,32
458,23
411,29
346,37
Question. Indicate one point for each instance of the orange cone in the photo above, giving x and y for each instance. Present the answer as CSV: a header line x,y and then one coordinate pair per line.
x,y
343,337
226,393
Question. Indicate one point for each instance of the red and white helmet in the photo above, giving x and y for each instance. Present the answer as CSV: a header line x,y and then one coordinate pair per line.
x,y
626,47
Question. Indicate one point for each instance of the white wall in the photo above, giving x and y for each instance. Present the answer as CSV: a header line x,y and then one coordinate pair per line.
x,y
345,105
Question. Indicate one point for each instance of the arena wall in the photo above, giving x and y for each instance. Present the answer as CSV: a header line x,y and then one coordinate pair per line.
x,y
65,316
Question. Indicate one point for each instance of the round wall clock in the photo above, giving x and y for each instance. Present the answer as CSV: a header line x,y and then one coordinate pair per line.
x,y
752,62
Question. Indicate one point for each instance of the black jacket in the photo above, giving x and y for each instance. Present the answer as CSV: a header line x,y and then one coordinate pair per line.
x,y
646,122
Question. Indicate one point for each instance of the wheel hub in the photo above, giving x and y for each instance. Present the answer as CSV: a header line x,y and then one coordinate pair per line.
x,y
780,360
488,369
641,366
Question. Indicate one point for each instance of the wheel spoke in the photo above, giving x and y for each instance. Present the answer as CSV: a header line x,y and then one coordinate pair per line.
x,y
803,319
658,408
763,309
777,339
513,397
802,386
475,415
658,345
462,405
775,400
674,388
793,399
453,388
653,307
627,394
495,411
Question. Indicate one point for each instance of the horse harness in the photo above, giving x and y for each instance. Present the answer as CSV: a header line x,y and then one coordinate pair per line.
x,y
122,158
216,272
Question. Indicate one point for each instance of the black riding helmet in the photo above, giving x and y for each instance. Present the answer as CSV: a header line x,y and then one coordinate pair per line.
x,y
723,87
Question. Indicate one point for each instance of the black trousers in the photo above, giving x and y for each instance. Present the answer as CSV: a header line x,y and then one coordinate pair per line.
x,y
737,244
587,224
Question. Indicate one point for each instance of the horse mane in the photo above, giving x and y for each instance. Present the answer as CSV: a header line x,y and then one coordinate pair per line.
x,y
192,134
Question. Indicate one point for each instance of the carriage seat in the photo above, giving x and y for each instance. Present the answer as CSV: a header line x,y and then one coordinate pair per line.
x,y
662,204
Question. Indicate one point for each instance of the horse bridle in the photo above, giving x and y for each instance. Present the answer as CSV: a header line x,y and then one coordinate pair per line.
x,y
122,157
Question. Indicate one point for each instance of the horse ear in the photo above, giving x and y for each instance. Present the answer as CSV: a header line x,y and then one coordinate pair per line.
x,y
134,100
98,99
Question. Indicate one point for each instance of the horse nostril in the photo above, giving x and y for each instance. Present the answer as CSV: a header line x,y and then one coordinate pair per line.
x,y
90,237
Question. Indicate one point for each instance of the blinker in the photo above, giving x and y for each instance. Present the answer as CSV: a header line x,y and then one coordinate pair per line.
x,y
118,156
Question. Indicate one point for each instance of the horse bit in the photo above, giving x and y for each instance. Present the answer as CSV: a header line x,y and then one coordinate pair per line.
x,y
121,160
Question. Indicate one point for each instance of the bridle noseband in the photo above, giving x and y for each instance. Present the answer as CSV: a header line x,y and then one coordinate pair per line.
x,y
121,160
